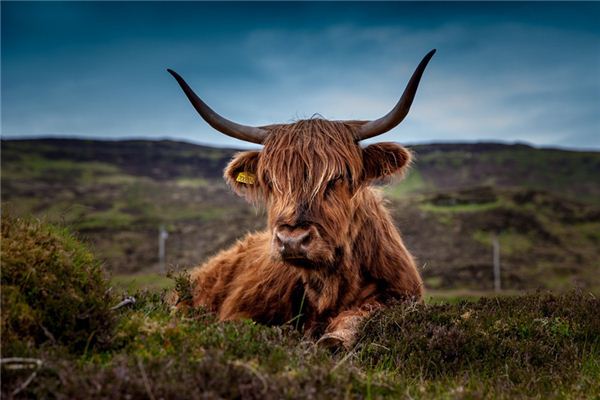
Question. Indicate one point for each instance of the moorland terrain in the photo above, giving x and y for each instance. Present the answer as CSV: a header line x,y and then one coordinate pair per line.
x,y
542,204
73,210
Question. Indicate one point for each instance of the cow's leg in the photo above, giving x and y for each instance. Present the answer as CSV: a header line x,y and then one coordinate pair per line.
x,y
342,330
243,282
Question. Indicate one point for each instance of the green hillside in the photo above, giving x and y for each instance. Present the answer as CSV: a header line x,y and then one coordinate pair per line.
x,y
541,203
441,167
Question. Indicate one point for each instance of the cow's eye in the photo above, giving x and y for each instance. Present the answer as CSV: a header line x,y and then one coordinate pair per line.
x,y
331,184
267,181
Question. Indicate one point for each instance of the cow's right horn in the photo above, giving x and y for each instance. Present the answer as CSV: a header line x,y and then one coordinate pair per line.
x,y
223,125
399,112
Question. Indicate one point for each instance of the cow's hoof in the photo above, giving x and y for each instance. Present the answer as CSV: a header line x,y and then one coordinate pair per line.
x,y
332,341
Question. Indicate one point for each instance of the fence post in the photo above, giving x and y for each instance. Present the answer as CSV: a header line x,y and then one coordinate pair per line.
x,y
496,261
162,238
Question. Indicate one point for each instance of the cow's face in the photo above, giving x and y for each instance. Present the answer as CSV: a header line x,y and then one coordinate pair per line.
x,y
307,175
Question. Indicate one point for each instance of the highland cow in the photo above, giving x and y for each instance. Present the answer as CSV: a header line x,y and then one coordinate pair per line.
x,y
330,254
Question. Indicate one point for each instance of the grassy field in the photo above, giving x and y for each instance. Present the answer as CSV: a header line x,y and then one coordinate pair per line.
x,y
131,283
523,347
157,282
63,338
79,230
541,203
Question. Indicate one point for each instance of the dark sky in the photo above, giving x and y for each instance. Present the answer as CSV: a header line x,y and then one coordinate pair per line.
x,y
504,71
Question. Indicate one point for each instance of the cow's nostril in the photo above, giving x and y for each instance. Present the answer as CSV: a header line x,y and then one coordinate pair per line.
x,y
306,240
280,241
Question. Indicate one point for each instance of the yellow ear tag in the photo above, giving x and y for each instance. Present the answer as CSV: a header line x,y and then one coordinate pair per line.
x,y
246,177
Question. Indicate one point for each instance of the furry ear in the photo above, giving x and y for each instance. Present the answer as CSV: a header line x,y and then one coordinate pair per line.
x,y
240,174
382,160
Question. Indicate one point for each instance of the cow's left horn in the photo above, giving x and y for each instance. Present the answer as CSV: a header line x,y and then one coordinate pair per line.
x,y
230,128
399,112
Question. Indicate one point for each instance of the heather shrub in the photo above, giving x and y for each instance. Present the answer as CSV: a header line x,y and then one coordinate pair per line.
x,y
537,335
53,290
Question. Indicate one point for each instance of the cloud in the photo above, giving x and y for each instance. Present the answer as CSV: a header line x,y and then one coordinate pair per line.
x,y
489,81
506,82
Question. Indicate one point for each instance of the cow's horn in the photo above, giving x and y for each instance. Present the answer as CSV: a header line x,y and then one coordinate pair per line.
x,y
230,128
394,117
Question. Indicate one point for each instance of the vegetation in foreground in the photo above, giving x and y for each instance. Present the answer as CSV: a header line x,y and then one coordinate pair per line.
x,y
53,290
538,345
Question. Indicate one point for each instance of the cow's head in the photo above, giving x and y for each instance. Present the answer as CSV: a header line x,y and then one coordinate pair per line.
x,y
309,173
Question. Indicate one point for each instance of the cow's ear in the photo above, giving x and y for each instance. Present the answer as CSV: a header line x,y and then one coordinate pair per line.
x,y
240,174
383,160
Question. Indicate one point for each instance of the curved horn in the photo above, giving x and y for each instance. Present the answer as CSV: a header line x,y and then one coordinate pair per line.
x,y
223,125
394,117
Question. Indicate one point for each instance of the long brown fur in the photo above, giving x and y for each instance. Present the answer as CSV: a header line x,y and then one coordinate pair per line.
x,y
314,172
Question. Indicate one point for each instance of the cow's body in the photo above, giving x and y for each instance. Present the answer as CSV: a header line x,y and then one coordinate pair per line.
x,y
331,253
245,282
371,267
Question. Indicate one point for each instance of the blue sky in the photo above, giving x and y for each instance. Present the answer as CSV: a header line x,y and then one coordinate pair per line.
x,y
527,72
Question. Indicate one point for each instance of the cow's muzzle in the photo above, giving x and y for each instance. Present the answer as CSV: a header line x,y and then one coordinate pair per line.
x,y
294,242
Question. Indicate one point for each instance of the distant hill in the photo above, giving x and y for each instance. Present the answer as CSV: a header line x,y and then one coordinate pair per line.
x,y
443,166
542,203
458,166
158,160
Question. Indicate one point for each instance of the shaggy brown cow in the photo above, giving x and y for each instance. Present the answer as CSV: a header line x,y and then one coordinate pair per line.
x,y
331,253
